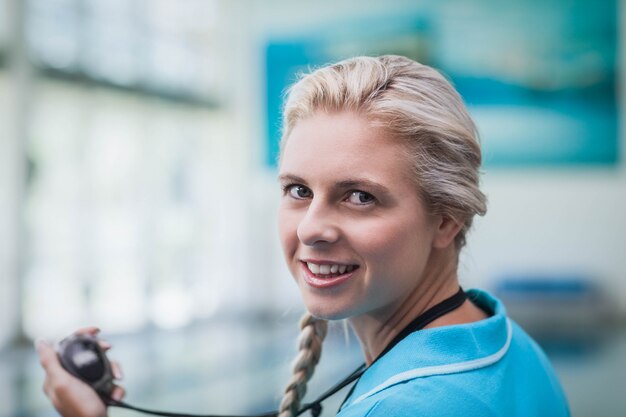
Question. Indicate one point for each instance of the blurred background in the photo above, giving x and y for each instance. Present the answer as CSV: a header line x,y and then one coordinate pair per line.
x,y
138,142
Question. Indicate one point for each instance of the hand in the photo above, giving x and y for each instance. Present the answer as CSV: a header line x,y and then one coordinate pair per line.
x,y
69,395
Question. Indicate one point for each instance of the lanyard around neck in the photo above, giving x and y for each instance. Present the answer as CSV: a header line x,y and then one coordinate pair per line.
x,y
421,321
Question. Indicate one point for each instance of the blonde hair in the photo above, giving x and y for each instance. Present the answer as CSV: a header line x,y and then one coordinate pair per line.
x,y
417,106
312,334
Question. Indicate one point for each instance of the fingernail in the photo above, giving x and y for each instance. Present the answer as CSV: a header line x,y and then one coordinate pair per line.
x,y
117,394
117,372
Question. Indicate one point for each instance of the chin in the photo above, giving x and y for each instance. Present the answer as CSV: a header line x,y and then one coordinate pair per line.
x,y
325,309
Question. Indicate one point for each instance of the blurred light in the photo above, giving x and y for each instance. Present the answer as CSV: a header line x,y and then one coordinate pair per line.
x,y
171,306
118,298
197,16
54,302
55,45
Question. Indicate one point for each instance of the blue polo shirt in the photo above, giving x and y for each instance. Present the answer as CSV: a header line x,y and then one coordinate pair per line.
x,y
486,368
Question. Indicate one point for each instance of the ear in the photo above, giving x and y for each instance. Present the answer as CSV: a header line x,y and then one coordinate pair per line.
x,y
447,229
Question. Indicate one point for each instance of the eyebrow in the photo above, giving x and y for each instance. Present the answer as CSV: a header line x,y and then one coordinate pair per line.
x,y
348,183
290,177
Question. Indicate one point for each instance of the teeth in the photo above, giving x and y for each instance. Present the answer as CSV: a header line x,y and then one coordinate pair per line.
x,y
313,267
329,269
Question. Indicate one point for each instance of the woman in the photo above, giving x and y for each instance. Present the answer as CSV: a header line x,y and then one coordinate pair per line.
x,y
380,172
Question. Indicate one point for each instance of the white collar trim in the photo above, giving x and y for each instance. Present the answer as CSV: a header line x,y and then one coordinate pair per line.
x,y
451,368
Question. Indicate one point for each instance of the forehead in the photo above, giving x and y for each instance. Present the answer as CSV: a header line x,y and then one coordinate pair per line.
x,y
344,144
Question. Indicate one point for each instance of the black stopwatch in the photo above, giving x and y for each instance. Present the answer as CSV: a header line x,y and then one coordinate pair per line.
x,y
82,356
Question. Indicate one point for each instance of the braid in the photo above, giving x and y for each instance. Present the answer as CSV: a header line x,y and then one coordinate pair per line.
x,y
312,334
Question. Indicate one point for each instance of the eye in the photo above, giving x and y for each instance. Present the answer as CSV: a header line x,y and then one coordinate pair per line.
x,y
298,191
361,198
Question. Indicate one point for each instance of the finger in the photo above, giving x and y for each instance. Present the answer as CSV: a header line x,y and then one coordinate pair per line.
x,y
117,370
118,393
104,345
47,356
90,331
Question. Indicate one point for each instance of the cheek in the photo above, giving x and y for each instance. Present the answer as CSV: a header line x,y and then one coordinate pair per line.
x,y
287,230
395,247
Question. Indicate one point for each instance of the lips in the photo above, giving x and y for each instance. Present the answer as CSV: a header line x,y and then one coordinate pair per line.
x,y
326,274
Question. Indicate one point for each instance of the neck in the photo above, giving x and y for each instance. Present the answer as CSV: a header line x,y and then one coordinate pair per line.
x,y
439,281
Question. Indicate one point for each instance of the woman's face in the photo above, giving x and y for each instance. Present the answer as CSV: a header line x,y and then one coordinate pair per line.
x,y
355,234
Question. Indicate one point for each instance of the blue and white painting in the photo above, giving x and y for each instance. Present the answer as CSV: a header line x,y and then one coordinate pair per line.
x,y
539,78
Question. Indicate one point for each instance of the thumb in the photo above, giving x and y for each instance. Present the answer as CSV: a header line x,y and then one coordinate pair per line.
x,y
47,356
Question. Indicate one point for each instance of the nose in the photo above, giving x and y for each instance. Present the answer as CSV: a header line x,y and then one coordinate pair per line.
x,y
317,226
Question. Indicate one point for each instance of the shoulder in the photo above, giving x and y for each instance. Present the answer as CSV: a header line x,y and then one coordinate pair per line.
x,y
487,368
489,392
437,397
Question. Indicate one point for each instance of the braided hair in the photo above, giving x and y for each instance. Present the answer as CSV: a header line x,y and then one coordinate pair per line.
x,y
312,334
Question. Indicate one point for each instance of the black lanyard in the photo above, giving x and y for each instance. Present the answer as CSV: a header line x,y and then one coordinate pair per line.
x,y
433,313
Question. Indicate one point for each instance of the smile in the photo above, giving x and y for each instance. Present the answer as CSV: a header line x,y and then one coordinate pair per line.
x,y
332,269
325,275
